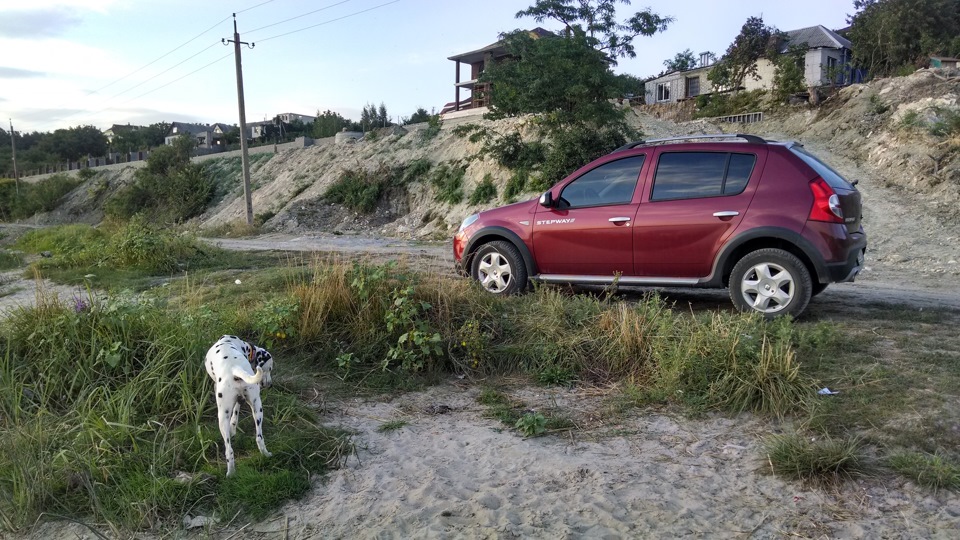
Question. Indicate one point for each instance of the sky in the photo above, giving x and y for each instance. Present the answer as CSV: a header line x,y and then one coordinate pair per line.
x,y
101,62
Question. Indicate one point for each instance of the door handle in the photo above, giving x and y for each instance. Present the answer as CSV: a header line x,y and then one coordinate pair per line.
x,y
726,213
618,219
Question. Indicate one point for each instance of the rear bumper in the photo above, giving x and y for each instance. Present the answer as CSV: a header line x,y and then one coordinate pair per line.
x,y
848,270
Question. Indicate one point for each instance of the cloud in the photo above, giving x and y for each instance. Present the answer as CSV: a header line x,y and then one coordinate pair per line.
x,y
16,73
38,23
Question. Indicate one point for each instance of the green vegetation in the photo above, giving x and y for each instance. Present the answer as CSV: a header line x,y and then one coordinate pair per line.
x,y
42,196
168,190
447,180
712,105
933,471
485,191
895,36
940,122
360,189
755,41
109,416
817,459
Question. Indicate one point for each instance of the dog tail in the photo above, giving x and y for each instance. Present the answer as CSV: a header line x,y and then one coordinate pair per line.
x,y
246,377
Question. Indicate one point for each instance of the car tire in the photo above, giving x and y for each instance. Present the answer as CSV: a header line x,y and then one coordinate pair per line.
x,y
499,268
818,288
771,282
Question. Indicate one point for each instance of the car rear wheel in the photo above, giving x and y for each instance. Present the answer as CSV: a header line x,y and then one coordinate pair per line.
x,y
499,268
771,282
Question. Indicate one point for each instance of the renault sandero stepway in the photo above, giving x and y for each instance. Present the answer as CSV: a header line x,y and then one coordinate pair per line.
x,y
766,219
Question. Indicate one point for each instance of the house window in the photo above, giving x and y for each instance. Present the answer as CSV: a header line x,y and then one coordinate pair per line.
x,y
663,92
693,86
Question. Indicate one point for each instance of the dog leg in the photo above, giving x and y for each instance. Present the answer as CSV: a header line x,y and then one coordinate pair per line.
x,y
234,418
223,412
253,397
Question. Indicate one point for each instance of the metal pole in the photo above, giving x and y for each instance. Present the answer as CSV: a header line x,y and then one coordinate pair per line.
x,y
244,153
13,147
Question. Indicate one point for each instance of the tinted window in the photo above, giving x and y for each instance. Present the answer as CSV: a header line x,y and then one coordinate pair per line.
x,y
610,183
741,165
831,176
692,175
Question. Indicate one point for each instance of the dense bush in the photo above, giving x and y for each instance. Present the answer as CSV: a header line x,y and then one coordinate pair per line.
x,y
33,197
168,190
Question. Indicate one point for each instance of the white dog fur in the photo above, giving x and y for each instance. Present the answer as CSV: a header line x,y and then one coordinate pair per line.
x,y
230,363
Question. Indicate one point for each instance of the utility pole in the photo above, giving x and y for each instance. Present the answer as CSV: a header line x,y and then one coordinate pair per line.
x,y
244,153
13,147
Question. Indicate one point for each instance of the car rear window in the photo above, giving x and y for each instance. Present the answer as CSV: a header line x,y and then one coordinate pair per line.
x,y
832,177
692,175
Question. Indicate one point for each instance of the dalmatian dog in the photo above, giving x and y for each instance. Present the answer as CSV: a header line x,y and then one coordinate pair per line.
x,y
238,369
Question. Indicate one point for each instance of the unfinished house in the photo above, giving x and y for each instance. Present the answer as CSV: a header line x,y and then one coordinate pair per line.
x,y
479,93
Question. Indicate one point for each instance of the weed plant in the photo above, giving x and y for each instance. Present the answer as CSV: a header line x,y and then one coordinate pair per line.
x,y
934,471
485,191
816,459
447,180
713,105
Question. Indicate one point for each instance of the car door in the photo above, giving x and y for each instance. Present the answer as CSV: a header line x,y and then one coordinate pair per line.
x,y
588,230
695,201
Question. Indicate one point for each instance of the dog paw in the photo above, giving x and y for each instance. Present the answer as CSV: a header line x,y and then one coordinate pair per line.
x,y
267,453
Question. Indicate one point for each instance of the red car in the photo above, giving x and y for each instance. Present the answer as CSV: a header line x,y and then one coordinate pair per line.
x,y
767,219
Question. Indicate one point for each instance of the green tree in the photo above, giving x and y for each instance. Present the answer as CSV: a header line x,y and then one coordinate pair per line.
x,y
328,124
681,61
788,77
565,79
594,22
420,115
890,34
76,142
755,41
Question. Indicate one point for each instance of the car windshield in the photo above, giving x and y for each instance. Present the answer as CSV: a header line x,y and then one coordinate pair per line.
x,y
832,177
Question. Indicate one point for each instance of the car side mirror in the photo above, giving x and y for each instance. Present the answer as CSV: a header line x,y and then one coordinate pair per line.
x,y
547,199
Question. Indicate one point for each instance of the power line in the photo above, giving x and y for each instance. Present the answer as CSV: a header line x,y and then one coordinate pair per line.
x,y
185,60
328,22
175,49
162,86
252,7
298,16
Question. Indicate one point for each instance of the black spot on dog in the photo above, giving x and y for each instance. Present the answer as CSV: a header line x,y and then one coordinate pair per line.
x,y
258,421
233,337
259,436
219,394
219,379
236,379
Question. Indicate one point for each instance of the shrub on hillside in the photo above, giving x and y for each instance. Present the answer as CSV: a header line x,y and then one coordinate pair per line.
x,y
42,196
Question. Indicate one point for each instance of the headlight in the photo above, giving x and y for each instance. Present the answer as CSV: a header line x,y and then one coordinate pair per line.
x,y
469,220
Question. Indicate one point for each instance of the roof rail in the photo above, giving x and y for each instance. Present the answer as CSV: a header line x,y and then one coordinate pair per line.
x,y
749,138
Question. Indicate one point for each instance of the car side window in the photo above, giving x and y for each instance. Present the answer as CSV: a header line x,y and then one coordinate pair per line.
x,y
693,175
610,183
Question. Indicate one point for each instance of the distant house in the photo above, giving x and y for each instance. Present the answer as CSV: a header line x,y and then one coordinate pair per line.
x,y
206,136
826,61
289,118
944,62
478,60
117,129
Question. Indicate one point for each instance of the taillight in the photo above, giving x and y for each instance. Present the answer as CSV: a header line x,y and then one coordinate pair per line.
x,y
826,204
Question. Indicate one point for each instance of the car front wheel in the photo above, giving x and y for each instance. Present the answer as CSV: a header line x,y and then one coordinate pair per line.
x,y
499,268
771,282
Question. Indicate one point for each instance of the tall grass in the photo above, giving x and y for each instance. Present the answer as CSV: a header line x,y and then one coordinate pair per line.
x,y
107,414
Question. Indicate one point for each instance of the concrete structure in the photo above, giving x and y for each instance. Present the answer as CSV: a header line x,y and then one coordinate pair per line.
x,y
289,118
825,62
